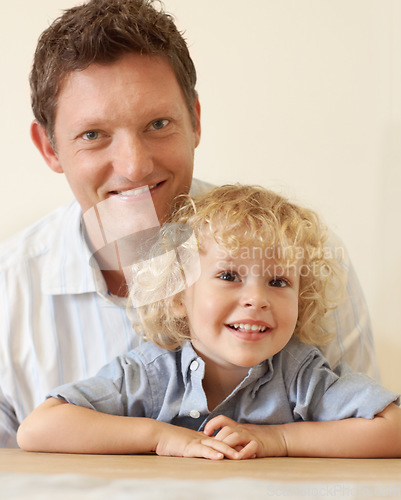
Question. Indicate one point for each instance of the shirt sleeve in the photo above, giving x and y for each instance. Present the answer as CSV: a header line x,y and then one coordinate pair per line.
x,y
353,342
119,388
317,393
8,424
8,419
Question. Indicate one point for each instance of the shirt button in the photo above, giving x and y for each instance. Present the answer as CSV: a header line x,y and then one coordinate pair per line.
x,y
194,414
194,365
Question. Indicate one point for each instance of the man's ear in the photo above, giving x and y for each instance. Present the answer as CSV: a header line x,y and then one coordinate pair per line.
x,y
197,112
42,142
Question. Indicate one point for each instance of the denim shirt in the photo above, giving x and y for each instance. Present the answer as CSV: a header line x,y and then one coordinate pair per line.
x,y
294,385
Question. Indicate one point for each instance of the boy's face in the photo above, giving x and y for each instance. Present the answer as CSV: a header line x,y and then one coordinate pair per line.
x,y
122,126
244,308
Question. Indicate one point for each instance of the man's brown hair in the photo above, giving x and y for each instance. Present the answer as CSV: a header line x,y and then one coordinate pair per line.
x,y
102,31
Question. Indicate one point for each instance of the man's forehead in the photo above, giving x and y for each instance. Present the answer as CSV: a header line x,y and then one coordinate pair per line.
x,y
129,69
101,93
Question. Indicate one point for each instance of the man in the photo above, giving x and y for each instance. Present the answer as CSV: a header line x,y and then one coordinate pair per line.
x,y
116,111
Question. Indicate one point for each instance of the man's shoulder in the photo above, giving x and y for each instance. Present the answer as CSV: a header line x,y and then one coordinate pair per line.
x,y
199,187
35,240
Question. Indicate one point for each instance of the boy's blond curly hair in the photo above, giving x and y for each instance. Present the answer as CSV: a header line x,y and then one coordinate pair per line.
x,y
239,216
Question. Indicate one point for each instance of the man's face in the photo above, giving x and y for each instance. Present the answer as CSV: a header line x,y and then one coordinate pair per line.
x,y
122,126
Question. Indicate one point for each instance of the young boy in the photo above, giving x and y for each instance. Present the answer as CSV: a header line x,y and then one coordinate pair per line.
x,y
230,368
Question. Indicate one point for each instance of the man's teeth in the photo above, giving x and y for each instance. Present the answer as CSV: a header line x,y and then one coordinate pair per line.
x,y
248,327
137,191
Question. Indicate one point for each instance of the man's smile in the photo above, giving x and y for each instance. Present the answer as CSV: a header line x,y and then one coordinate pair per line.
x,y
135,191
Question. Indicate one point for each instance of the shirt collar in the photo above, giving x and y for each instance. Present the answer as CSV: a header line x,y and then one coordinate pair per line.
x,y
188,356
260,375
66,268
257,375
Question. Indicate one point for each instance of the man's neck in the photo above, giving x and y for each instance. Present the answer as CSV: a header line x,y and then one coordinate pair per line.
x,y
116,283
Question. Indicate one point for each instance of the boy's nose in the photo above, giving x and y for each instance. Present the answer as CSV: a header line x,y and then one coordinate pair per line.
x,y
255,296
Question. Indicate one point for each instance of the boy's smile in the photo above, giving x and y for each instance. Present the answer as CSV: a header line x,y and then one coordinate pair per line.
x,y
250,330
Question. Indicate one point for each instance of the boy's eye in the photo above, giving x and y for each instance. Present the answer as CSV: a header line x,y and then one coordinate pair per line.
x,y
228,276
278,282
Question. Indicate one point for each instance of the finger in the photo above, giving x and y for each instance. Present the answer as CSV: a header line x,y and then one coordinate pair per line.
x,y
221,447
233,438
242,442
202,450
249,451
217,423
210,453
224,433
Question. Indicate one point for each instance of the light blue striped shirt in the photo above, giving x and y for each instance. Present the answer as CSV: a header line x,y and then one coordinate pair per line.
x,y
59,325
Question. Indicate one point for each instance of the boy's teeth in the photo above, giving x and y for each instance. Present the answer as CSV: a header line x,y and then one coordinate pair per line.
x,y
247,326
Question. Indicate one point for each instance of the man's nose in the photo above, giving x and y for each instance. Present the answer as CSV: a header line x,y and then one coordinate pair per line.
x,y
132,157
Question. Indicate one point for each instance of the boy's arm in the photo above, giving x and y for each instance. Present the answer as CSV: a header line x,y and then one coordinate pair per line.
x,y
348,438
61,427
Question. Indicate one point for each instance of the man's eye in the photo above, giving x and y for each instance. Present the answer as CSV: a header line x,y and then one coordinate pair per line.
x,y
228,276
159,124
91,135
279,282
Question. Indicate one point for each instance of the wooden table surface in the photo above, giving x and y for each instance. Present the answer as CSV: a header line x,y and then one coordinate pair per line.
x,y
152,466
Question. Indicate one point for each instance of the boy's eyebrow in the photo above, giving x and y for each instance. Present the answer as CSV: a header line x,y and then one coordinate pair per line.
x,y
227,258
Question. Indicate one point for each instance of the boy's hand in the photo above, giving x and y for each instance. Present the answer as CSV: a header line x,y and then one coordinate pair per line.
x,y
250,441
181,442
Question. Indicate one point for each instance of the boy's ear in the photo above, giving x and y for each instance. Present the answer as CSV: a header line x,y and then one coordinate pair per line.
x,y
179,308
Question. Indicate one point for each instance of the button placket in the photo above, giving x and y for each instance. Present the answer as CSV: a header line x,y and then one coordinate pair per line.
x,y
194,414
194,367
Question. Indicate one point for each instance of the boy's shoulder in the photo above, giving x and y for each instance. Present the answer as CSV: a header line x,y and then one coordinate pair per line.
x,y
297,357
148,353
156,359
299,351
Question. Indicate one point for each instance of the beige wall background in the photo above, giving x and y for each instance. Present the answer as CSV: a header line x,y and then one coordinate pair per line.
x,y
303,96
